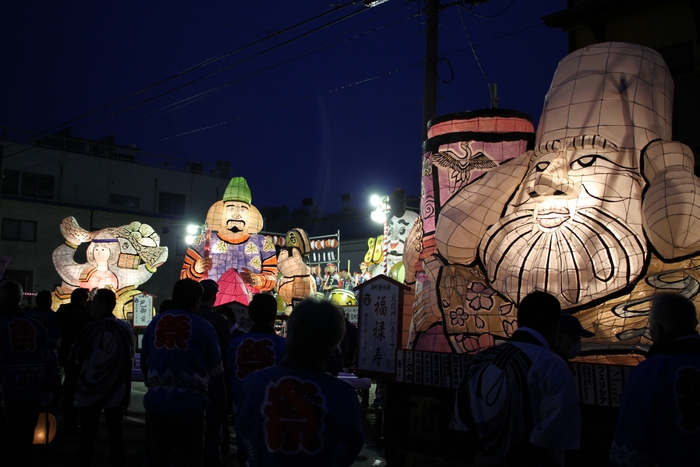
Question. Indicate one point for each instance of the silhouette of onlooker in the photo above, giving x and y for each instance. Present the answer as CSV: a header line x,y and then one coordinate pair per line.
x,y
104,356
216,411
228,313
71,318
518,399
295,413
165,305
659,421
568,344
43,313
27,370
180,356
259,348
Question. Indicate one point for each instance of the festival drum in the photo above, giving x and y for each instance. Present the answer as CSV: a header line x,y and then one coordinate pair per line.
x,y
343,297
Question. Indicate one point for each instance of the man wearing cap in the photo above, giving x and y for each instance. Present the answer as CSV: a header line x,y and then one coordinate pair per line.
x,y
236,252
568,343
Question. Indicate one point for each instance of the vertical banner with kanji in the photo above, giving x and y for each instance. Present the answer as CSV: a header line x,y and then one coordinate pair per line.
x,y
379,324
143,310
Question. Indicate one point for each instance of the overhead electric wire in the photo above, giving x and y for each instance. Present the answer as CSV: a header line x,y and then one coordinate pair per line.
x,y
472,46
488,85
192,68
363,81
206,62
488,16
286,104
191,99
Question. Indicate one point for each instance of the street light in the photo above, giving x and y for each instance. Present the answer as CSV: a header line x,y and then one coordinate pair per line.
x,y
382,208
195,233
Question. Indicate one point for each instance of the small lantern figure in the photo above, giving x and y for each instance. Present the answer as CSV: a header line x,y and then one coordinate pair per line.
x,y
45,428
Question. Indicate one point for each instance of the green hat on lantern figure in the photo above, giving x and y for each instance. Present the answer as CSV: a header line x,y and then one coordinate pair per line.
x,y
237,190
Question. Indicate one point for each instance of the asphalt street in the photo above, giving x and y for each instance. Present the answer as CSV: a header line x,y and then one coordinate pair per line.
x,y
63,450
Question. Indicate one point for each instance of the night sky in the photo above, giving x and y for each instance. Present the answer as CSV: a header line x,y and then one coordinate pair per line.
x,y
307,99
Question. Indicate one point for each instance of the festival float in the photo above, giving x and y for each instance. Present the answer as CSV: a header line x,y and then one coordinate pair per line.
x,y
230,250
118,258
599,207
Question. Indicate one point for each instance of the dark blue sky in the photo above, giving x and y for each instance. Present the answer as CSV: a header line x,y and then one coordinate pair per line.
x,y
305,112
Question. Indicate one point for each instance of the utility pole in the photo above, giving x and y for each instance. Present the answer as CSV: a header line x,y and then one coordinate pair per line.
x,y
430,71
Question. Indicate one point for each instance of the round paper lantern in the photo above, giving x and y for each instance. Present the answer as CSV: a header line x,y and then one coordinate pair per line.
x,y
398,272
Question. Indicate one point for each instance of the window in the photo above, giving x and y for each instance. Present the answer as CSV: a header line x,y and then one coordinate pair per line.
x,y
27,184
37,186
171,203
124,200
15,229
10,182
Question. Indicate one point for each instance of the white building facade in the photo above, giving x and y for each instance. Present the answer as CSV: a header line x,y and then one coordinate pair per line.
x,y
48,178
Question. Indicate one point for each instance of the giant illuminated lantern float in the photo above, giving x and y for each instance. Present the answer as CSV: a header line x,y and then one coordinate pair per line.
x,y
296,281
603,212
230,249
119,258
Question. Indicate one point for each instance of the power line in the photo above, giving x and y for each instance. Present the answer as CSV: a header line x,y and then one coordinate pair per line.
x,y
489,16
356,83
472,48
206,62
190,69
363,81
286,104
191,99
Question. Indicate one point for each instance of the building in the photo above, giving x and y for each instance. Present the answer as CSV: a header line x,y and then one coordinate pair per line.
x,y
48,178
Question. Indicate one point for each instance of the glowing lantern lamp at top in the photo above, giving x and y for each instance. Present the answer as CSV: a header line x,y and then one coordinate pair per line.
x,y
380,215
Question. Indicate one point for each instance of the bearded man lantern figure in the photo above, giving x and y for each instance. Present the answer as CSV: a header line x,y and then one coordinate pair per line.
x,y
242,261
604,212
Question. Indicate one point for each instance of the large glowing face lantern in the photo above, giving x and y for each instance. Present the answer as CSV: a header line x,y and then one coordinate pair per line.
x,y
232,252
603,212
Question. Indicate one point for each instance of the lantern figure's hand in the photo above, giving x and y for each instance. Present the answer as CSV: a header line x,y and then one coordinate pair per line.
x,y
202,264
251,278
671,203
